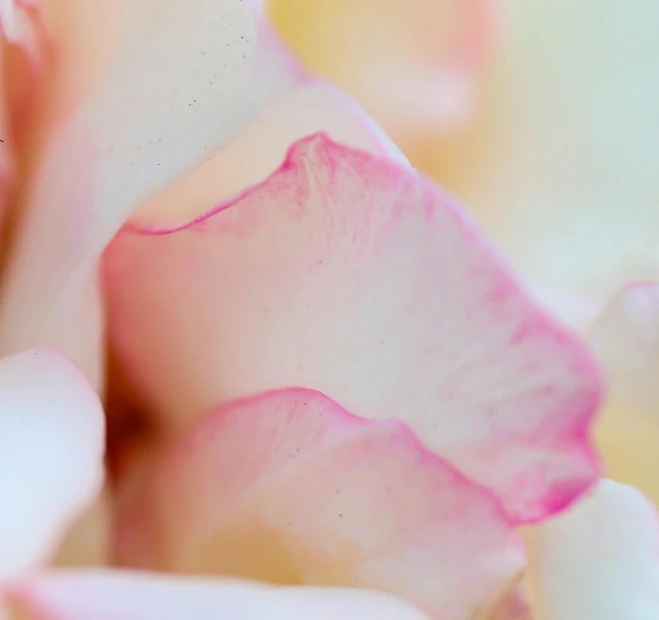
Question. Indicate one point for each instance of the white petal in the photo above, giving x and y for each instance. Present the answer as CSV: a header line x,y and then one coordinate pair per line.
x,y
600,560
51,454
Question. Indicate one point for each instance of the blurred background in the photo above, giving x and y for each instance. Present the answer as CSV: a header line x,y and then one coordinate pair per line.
x,y
543,118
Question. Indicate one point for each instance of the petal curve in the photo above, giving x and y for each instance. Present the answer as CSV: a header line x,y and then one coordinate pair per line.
x,y
600,559
114,595
287,487
625,336
352,275
51,446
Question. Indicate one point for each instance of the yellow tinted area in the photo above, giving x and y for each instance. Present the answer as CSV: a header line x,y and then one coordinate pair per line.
x,y
629,441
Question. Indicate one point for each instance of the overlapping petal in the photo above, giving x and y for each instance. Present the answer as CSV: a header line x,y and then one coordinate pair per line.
x,y
258,151
133,596
51,451
352,275
600,559
289,488
137,94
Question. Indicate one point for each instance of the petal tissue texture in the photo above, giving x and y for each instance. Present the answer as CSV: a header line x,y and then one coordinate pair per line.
x,y
287,487
351,274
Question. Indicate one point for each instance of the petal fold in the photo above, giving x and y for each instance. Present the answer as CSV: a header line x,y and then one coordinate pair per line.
x,y
142,93
352,275
288,487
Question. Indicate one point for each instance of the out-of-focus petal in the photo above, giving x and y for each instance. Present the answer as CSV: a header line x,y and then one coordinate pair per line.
x,y
51,451
288,487
414,64
20,26
114,595
142,92
352,275
514,606
625,337
562,166
576,311
600,559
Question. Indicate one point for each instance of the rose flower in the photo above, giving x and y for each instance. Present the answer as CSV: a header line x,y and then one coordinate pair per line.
x,y
326,395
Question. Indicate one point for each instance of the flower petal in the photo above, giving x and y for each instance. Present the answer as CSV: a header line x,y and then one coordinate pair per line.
x,y
259,150
288,487
51,451
20,26
625,336
600,559
115,595
349,274
144,91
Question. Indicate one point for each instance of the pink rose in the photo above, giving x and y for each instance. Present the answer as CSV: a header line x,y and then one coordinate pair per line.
x,y
326,394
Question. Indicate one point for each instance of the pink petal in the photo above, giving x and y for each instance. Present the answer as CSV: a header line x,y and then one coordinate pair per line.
x,y
352,275
599,560
115,595
288,487
626,338
51,451
144,91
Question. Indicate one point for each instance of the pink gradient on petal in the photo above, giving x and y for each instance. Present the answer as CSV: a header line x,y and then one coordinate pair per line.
x,y
288,487
348,273
115,129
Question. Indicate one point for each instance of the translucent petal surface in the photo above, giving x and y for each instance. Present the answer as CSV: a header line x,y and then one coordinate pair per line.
x,y
142,93
287,487
352,275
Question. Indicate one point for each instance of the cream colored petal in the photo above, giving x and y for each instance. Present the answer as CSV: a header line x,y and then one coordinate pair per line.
x,y
599,560
142,93
625,336
135,596
51,454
